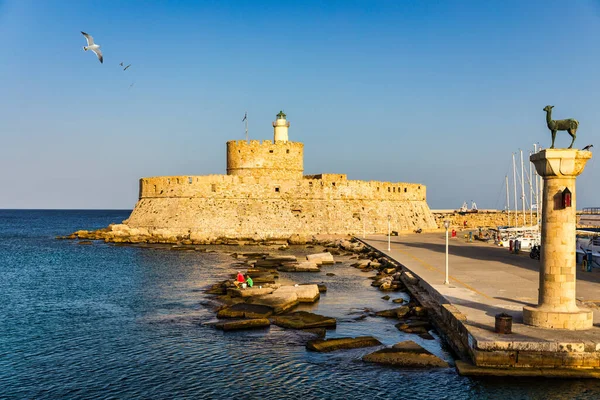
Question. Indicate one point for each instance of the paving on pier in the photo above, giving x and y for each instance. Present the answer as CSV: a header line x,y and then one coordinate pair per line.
x,y
486,280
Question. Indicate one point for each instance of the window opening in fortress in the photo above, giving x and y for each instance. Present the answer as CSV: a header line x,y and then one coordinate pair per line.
x,y
394,190
168,180
310,184
288,151
270,151
332,183
276,189
389,189
177,180
190,180
213,187
154,188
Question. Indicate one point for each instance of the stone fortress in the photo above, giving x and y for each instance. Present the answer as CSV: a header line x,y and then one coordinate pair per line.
x,y
266,196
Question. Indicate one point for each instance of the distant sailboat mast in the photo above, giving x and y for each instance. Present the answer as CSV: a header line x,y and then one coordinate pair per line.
x,y
515,187
530,194
507,200
523,188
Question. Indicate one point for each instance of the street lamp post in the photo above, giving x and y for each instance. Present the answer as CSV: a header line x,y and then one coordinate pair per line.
x,y
446,225
389,232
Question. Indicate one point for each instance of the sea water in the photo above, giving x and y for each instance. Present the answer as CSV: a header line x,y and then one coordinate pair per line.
x,y
107,321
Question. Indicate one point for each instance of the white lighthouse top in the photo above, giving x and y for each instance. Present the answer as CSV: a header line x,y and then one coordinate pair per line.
x,y
280,127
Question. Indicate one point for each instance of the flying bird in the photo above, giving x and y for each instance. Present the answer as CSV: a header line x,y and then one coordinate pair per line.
x,y
588,147
130,86
92,46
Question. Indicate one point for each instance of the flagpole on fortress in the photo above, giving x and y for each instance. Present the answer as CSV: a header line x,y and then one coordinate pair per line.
x,y
246,119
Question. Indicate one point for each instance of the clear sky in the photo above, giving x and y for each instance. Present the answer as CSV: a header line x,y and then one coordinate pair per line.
x,y
434,92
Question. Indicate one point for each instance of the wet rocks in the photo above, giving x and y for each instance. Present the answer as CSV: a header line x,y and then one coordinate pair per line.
x,y
321,258
306,266
326,345
250,291
414,326
303,320
244,310
243,324
278,301
405,354
398,312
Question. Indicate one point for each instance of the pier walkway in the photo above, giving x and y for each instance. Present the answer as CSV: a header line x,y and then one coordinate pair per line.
x,y
486,280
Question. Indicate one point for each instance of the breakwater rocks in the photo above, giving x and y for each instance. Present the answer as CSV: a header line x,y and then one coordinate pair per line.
x,y
122,233
268,302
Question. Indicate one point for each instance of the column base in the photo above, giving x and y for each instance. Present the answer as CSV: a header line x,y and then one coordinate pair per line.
x,y
570,320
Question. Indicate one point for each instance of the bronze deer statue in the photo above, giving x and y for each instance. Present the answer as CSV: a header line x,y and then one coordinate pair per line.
x,y
570,125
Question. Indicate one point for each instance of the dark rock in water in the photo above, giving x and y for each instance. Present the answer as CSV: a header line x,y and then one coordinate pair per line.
x,y
418,311
243,324
426,336
386,297
360,317
330,274
217,288
85,242
244,310
414,326
399,300
321,286
325,345
303,320
318,332
405,354
398,312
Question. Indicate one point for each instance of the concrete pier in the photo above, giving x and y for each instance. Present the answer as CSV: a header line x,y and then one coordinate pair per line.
x,y
484,281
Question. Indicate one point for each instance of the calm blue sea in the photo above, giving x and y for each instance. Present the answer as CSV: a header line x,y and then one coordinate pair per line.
x,y
104,321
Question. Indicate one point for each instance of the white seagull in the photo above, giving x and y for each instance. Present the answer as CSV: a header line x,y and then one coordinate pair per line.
x,y
92,46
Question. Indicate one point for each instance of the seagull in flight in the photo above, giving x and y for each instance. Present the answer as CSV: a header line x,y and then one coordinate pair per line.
x,y
125,69
92,46
588,147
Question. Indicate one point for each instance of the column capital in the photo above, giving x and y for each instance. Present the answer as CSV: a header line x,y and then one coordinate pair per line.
x,y
559,163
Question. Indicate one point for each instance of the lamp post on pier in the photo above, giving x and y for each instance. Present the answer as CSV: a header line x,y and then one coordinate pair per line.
x,y
446,225
389,232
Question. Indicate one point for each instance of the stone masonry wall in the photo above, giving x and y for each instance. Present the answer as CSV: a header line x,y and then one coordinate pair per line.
x,y
259,207
282,160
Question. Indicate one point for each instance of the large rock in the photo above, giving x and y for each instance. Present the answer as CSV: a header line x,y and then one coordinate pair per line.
x,y
305,266
279,301
405,354
304,320
244,310
321,258
397,312
305,293
250,291
325,345
243,324
414,326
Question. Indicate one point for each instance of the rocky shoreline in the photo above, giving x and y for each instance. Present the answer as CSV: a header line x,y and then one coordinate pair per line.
x,y
122,233
270,302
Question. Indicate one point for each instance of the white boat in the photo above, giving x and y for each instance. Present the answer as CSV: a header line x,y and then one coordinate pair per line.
x,y
528,236
588,240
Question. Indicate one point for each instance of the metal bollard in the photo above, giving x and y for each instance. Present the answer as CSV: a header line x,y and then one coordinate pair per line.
x,y
503,323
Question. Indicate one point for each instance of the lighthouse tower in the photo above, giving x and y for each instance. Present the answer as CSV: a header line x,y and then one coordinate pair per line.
x,y
280,126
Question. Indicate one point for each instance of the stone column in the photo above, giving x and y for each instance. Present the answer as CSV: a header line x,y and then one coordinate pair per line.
x,y
557,308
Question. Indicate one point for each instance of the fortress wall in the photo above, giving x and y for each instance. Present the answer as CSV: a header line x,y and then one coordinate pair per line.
x,y
276,160
245,206
324,187
277,217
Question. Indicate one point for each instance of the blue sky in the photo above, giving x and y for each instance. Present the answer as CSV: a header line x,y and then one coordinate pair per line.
x,y
435,92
